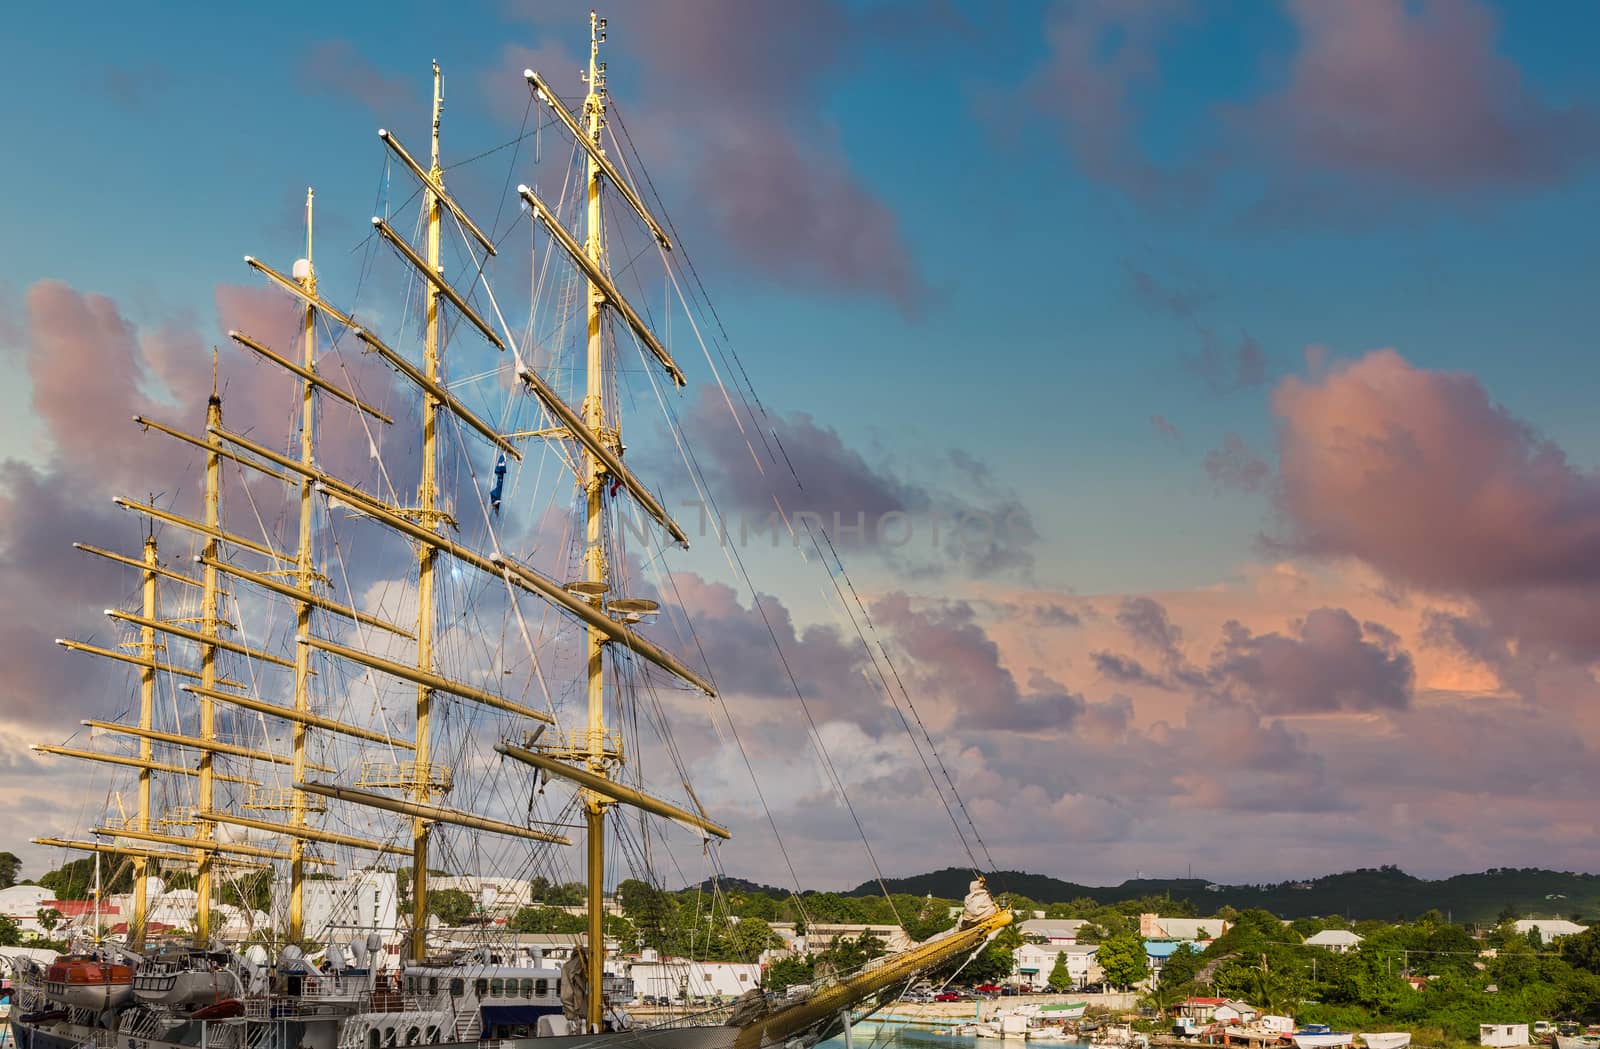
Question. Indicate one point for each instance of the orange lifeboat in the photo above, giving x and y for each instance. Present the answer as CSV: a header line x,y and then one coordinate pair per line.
x,y
86,982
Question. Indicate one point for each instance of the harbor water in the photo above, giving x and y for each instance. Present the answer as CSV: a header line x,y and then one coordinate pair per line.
x,y
874,1035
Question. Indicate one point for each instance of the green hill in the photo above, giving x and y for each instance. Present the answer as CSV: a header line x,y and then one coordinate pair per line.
x,y
1382,892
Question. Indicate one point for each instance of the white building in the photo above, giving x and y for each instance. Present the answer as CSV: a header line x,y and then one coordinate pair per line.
x,y
343,909
677,979
1234,1010
1034,962
1052,930
1338,941
22,904
1502,1035
1550,928
819,936
500,897
1203,930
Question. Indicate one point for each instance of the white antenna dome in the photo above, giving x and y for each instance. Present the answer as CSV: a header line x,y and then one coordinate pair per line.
x,y
302,269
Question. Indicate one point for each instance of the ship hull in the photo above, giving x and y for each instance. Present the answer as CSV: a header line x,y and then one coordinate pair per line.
x,y
1387,1039
718,1036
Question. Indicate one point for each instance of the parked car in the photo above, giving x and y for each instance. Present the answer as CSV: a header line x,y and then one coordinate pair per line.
x,y
1010,990
947,996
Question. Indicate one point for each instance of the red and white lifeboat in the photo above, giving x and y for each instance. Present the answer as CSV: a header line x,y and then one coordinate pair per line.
x,y
88,983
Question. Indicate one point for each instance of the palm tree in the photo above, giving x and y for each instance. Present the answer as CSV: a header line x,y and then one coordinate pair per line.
x,y
1162,997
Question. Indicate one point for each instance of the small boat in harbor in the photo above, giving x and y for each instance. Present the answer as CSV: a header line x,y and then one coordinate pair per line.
x,y
1321,1036
1386,1039
1063,1011
1577,1041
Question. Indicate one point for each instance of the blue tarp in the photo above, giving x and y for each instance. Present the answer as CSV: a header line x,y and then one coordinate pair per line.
x,y
516,1014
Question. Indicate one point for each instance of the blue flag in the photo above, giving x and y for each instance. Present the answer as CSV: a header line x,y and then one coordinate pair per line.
x,y
499,483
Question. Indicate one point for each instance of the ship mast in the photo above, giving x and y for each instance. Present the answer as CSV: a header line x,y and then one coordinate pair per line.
x,y
208,663
596,568
147,697
305,580
428,516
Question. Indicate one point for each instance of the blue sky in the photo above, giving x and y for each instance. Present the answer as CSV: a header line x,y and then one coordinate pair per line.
x,y
148,194
1074,263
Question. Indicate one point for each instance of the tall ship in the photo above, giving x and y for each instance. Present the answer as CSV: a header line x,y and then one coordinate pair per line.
x,y
338,687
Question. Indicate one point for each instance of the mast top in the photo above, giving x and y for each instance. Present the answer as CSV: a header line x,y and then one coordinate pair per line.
x,y
304,272
438,107
596,77
309,197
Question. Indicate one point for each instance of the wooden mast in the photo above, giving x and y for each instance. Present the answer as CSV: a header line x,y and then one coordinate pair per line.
x,y
596,569
305,580
147,697
427,554
208,663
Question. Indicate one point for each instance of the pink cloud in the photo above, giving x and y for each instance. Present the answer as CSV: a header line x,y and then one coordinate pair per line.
x,y
1329,662
90,371
792,463
1420,475
947,653
760,163
1103,56
1415,93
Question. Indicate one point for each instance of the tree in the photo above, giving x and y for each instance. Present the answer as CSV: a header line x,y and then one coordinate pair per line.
x,y
785,972
848,956
1060,979
49,918
750,937
547,919
10,932
1163,996
10,867
567,894
451,906
1583,950
1123,960
1181,967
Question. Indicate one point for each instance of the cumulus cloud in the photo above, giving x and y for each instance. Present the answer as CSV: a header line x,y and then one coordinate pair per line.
x,y
1102,59
1420,475
1146,621
1377,103
950,655
1127,670
793,465
90,372
1329,662
760,160
1417,96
